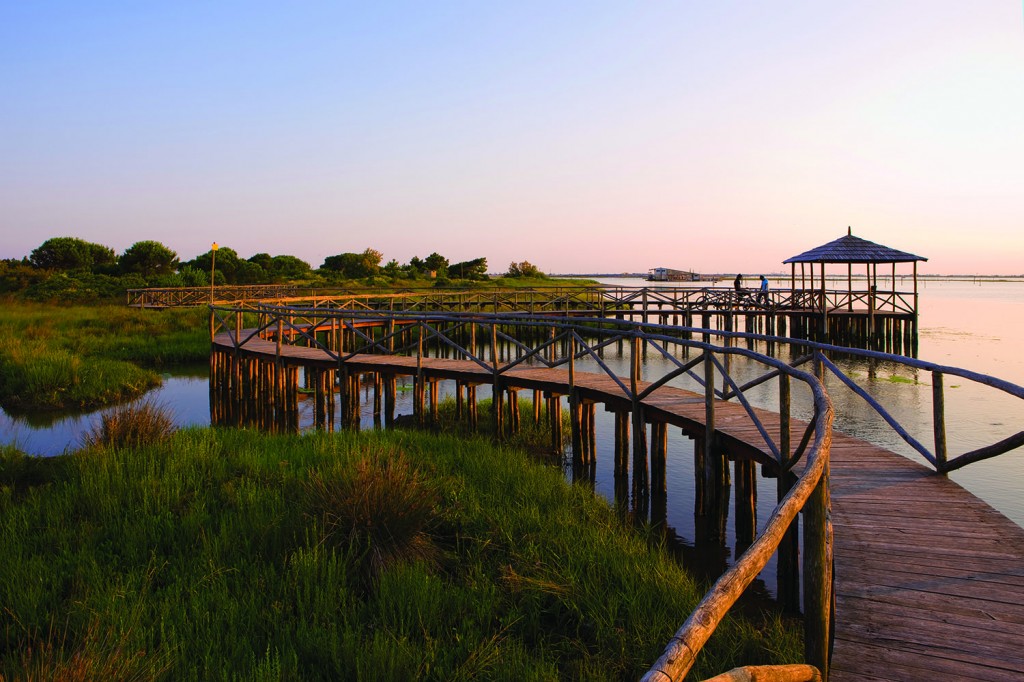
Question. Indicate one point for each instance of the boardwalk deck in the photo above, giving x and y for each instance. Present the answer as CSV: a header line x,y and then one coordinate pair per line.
x,y
929,579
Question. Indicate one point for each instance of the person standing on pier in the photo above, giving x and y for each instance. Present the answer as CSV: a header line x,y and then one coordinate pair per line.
x,y
762,296
737,284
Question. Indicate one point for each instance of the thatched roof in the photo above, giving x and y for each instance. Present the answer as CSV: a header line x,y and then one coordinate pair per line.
x,y
850,249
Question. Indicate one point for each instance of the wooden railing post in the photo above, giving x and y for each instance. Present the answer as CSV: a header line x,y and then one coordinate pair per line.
x,y
496,383
639,427
939,420
574,406
420,391
788,575
710,452
818,597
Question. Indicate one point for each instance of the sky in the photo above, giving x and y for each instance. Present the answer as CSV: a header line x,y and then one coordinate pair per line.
x,y
594,137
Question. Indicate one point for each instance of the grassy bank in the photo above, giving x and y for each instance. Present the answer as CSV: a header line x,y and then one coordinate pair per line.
x,y
55,357
223,554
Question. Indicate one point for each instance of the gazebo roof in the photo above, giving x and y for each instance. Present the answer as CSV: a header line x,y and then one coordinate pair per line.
x,y
850,249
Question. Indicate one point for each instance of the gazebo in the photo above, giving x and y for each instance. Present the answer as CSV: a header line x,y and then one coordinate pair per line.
x,y
815,297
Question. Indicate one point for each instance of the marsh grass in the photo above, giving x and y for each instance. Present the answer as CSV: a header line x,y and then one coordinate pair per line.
x,y
134,425
378,505
211,538
58,357
97,654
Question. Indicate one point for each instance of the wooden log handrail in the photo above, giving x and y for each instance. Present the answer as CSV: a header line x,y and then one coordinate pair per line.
x,y
603,299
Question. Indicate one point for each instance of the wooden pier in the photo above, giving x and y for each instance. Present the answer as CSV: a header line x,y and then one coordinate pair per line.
x,y
928,580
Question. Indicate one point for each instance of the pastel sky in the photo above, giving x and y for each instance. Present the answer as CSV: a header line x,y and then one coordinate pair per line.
x,y
593,136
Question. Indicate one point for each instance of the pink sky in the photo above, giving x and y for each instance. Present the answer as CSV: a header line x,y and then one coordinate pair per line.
x,y
598,137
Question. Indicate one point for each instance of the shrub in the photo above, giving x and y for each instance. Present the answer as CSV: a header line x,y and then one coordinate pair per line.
x,y
380,506
134,425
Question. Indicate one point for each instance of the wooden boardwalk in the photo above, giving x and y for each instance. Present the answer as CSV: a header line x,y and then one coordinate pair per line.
x,y
929,579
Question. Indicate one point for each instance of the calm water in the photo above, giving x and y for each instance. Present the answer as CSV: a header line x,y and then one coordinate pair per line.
x,y
963,324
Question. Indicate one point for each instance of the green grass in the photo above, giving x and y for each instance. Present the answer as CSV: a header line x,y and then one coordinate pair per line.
x,y
234,555
64,357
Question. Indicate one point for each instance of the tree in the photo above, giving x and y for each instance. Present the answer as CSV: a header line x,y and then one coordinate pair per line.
x,y
392,269
264,260
416,266
148,258
523,269
288,268
437,264
226,265
354,265
71,253
248,273
470,269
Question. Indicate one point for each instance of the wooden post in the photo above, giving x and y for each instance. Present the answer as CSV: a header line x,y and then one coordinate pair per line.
x,y
378,391
433,401
460,402
574,406
939,419
591,433
788,573
555,410
513,410
344,396
818,597
621,442
390,388
746,503
419,390
659,458
496,394
471,407
711,456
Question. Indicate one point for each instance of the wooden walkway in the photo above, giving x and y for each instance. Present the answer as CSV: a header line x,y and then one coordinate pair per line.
x,y
929,579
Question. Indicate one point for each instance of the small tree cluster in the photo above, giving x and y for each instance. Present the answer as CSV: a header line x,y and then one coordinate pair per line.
x,y
523,269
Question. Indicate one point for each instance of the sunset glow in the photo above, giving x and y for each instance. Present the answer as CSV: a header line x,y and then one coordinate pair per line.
x,y
587,138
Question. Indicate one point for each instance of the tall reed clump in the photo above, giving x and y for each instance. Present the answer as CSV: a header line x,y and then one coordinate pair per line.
x,y
131,426
379,505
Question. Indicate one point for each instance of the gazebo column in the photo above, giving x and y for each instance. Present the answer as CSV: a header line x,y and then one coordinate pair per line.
x,y
824,305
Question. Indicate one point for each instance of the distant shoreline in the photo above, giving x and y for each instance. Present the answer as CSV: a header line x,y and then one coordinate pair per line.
x,y
778,275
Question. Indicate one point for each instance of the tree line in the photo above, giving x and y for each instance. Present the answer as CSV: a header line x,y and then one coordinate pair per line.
x,y
72,269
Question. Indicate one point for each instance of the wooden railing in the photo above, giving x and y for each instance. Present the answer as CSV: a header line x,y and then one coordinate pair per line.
x,y
937,455
597,299
561,343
